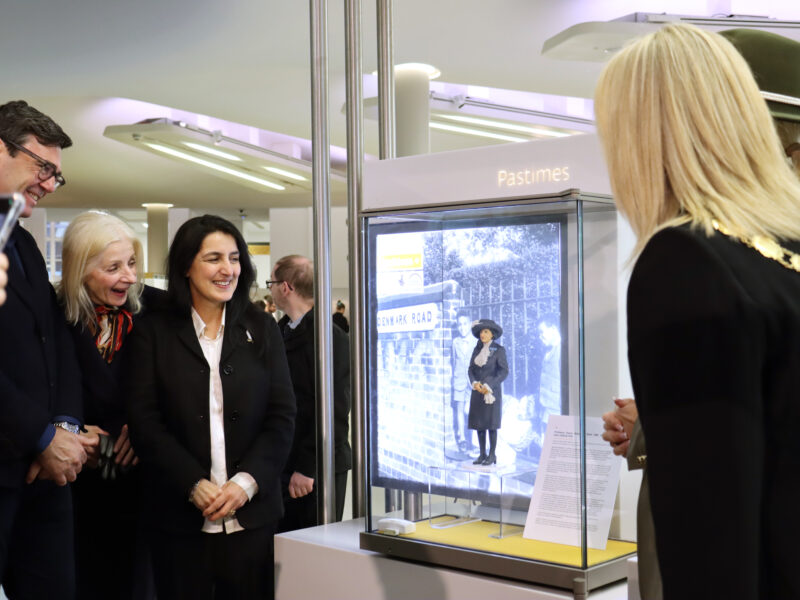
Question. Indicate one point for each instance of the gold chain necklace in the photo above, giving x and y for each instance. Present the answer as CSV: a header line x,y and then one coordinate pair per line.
x,y
766,246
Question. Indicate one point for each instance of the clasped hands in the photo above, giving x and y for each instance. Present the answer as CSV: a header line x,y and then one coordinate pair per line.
x,y
479,387
618,425
216,502
63,458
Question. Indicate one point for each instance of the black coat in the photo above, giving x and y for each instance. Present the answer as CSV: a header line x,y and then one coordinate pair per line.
x,y
168,391
106,508
299,344
714,352
482,415
103,400
39,377
340,320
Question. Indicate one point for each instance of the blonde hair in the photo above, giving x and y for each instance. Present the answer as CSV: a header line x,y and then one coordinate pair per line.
x,y
688,139
87,236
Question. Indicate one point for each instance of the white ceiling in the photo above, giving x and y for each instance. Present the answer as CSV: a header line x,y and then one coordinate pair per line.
x,y
247,61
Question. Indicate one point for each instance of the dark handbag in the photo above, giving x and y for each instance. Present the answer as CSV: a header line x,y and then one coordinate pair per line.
x,y
109,470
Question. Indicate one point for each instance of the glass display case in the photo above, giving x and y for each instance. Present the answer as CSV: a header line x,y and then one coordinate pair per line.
x,y
544,270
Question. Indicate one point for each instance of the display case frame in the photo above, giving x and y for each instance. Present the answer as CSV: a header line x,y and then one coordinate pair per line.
x,y
585,575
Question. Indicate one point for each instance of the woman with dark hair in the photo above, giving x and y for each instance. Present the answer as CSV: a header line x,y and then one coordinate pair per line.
x,y
212,417
103,302
488,367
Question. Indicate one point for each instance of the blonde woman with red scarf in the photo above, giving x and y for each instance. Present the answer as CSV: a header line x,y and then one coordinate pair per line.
x,y
102,301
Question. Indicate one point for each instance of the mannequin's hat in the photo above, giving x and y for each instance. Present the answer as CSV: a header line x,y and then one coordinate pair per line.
x,y
481,324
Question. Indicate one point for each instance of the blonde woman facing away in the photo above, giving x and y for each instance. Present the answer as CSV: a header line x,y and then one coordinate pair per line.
x,y
713,312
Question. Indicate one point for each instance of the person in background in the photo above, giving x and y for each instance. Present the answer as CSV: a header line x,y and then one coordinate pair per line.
x,y
271,307
40,387
339,318
292,285
461,389
3,277
211,414
260,305
713,318
772,59
103,301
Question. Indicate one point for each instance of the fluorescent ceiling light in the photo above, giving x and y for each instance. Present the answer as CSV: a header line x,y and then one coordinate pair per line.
x,y
288,174
500,125
212,151
214,166
477,132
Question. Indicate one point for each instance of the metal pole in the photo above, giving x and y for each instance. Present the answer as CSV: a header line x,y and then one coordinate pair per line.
x,y
385,80
321,166
355,161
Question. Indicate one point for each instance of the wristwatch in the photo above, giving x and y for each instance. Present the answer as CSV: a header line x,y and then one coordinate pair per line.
x,y
71,427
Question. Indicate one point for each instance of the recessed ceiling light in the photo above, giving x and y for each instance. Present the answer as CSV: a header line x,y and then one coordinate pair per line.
x,y
214,166
288,174
211,151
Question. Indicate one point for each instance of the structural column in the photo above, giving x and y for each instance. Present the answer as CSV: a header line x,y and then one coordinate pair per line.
x,y
157,239
412,110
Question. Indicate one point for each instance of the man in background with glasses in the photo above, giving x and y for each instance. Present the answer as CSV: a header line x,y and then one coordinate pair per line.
x,y
292,287
40,386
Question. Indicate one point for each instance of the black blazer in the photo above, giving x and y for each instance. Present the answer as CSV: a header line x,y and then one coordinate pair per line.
x,y
714,352
299,344
39,378
103,399
168,387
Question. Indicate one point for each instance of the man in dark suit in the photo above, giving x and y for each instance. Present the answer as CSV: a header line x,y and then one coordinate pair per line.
x,y
40,393
292,287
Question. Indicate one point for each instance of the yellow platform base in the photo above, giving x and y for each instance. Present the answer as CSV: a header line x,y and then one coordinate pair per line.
x,y
477,536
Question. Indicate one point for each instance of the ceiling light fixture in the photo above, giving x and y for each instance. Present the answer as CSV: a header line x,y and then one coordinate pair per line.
x,y
599,40
288,174
212,151
477,132
212,165
501,125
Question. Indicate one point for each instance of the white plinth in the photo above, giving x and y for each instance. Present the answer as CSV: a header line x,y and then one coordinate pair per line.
x,y
325,562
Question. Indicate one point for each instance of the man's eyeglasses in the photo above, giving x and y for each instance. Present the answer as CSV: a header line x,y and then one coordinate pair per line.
x,y
46,168
271,282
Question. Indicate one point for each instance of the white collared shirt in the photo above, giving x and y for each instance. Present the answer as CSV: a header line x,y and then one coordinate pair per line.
x,y
212,350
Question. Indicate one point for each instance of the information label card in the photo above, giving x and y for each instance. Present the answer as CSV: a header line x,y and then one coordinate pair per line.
x,y
555,510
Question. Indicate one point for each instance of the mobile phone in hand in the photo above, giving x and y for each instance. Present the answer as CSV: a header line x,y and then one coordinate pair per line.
x,y
11,206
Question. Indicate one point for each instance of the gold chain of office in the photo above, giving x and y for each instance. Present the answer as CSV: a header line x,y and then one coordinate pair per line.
x,y
766,246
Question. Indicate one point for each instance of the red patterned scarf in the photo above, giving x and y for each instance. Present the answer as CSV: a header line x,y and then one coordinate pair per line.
x,y
111,322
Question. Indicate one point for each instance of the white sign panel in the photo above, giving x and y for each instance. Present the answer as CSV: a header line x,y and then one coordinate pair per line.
x,y
422,317
555,511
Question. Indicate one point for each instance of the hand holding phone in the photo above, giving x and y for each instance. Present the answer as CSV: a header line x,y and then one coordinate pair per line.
x,y
11,206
